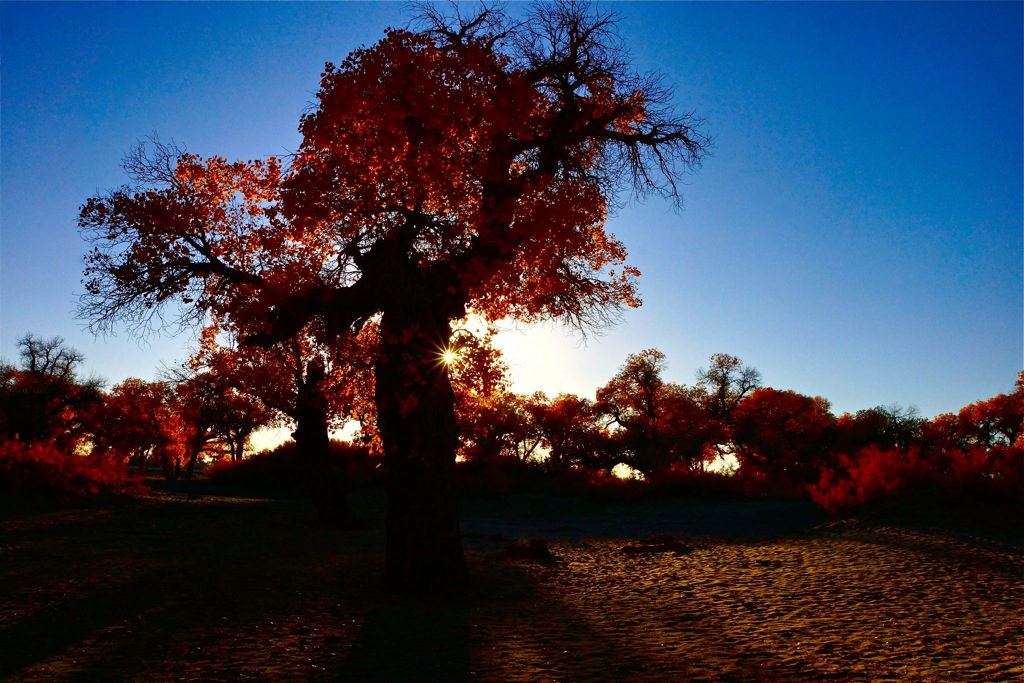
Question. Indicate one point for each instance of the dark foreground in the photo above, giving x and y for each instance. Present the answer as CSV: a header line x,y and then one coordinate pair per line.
x,y
186,587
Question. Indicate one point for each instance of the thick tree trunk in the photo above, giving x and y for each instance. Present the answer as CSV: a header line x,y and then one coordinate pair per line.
x,y
416,422
170,466
313,444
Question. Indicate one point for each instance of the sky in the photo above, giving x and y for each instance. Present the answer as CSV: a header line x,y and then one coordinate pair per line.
x,y
856,233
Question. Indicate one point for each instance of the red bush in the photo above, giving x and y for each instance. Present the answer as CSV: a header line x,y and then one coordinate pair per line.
x,y
41,471
874,474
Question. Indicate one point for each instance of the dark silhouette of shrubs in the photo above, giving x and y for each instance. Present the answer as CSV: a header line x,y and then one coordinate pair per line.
x,y
279,469
682,481
497,477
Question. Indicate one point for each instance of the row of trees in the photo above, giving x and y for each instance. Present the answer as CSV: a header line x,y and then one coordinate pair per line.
x,y
171,423
773,439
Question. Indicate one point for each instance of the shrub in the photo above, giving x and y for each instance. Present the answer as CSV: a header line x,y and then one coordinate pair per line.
x,y
681,481
996,471
605,487
41,471
872,475
278,469
875,475
495,477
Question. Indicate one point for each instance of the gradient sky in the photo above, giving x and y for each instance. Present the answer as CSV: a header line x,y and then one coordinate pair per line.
x,y
856,235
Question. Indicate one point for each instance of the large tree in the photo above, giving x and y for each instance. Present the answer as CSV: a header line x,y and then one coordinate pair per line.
x,y
468,165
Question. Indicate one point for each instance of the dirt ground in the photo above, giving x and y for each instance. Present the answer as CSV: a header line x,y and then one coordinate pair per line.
x,y
190,587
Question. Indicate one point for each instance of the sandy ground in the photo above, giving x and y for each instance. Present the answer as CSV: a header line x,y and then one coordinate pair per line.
x,y
202,588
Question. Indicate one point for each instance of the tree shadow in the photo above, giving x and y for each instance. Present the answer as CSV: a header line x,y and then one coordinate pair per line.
x,y
409,640
242,590
168,590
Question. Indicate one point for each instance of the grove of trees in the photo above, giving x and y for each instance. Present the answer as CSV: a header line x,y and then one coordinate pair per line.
x,y
463,168
672,437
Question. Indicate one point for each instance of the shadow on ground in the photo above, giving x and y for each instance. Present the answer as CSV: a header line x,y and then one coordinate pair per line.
x,y
187,586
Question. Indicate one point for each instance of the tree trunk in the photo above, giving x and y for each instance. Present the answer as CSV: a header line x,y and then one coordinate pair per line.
x,y
416,423
169,465
190,466
313,444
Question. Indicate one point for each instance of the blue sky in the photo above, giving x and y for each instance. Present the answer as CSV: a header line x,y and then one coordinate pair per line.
x,y
857,233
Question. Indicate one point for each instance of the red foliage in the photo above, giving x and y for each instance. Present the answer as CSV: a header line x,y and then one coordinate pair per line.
x,y
875,475
871,475
41,471
781,436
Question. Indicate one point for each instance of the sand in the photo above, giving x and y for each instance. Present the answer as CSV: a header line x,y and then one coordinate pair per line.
x,y
203,588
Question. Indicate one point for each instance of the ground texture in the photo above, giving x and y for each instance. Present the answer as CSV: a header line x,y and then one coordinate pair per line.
x,y
189,587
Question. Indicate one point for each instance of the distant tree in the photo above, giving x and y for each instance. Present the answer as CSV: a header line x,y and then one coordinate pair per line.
x,y
942,434
211,413
45,397
890,427
632,402
571,429
496,426
693,436
465,166
727,381
996,421
138,423
657,424
783,435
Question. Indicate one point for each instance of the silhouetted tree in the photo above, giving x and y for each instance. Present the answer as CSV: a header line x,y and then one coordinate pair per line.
x,y
465,166
44,397
887,427
658,423
727,381
783,435
571,428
